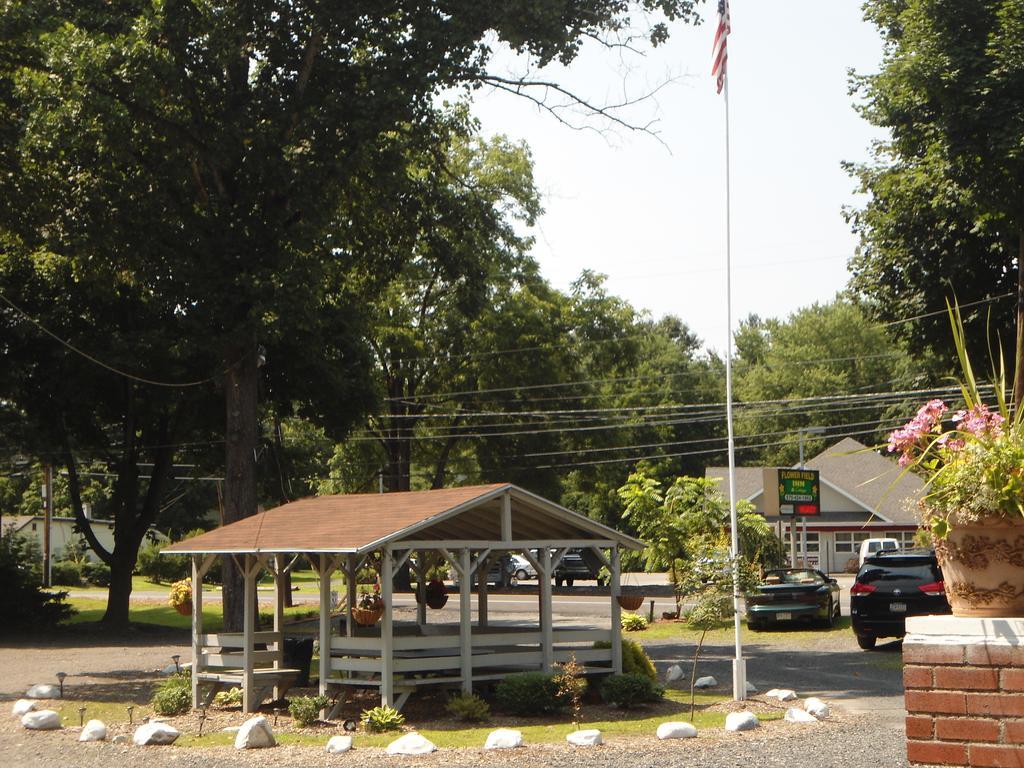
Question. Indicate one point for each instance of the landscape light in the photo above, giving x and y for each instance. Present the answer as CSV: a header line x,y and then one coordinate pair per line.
x,y
60,680
174,658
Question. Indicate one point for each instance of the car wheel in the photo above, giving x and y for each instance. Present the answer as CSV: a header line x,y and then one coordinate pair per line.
x,y
754,626
830,620
866,642
521,575
558,582
568,582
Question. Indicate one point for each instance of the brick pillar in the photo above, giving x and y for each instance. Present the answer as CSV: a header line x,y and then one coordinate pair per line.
x,y
964,681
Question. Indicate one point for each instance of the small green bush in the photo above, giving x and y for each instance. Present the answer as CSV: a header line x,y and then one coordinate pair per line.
x,y
634,622
627,691
158,569
529,693
229,698
468,707
96,574
305,710
381,719
173,696
635,660
66,573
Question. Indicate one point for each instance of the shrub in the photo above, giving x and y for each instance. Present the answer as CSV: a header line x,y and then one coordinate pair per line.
x,y
159,569
173,696
229,698
634,622
96,574
383,718
635,660
468,707
629,690
23,605
306,709
529,693
66,573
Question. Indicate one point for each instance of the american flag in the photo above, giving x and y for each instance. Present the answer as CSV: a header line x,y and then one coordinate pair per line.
x,y
719,54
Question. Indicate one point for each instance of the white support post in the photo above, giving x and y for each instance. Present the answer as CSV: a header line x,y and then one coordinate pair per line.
x,y
546,630
351,569
279,572
506,517
324,573
197,627
387,676
483,566
420,568
249,702
466,621
616,590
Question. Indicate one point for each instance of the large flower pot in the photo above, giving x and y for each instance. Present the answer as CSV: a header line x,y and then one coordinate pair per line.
x,y
983,567
185,609
630,602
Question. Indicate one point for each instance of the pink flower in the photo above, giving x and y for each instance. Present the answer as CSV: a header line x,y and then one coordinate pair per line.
x,y
980,421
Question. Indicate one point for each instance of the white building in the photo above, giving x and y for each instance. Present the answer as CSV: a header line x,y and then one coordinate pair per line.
x,y
63,533
862,496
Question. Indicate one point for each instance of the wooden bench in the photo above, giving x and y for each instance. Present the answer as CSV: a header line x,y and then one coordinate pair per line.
x,y
264,682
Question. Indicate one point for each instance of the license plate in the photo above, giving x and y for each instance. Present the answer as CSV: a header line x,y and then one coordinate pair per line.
x,y
783,616
898,607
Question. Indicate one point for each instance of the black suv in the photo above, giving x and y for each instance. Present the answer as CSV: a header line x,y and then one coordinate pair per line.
x,y
891,585
577,564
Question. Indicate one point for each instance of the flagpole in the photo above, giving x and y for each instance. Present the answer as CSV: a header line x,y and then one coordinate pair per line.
x,y
739,664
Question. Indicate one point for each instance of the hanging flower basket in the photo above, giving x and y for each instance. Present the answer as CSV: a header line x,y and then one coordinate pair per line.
x,y
367,617
435,594
180,597
630,602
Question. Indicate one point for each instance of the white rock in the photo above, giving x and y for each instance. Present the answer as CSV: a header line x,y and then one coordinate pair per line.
x,y
673,673
255,733
43,720
677,730
816,707
589,737
411,744
782,694
338,744
120,739
155,733
705,682
504,738
22,706
751,688
94,730
794,715
43,691
741,721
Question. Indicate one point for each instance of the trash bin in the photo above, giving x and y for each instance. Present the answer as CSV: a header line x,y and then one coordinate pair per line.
x,y
298,654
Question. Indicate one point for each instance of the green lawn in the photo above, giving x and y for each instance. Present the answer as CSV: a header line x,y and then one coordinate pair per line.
x,y
800,635
161,614
631,724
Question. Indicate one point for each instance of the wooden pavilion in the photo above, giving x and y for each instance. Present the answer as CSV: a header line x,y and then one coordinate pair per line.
x,y
467,526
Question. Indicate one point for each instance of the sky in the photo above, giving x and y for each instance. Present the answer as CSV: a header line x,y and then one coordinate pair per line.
x,y
650,212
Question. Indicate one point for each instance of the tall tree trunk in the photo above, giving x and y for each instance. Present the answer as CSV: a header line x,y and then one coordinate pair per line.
x,y
240,395
1018,375
120,593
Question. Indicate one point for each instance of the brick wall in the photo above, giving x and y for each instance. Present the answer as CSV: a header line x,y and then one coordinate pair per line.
x,y
965,702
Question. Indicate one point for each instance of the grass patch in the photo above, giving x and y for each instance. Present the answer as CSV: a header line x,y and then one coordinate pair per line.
x,y
109,712
452,735
799,634
162,615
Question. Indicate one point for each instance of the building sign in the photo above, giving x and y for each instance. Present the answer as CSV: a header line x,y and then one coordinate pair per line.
x,y
799,492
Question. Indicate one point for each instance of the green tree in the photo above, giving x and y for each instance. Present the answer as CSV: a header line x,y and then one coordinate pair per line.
x,y
944,217
819,351
186,164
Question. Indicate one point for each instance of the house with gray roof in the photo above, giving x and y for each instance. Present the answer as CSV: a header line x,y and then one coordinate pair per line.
x,y
863,495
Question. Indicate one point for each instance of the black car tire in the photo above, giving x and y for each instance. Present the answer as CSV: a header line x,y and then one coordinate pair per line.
x,y
521,575
558,581
830,620
568,582
754,626
866,642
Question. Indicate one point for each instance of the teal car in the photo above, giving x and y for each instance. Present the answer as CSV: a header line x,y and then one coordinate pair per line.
x,y
790,595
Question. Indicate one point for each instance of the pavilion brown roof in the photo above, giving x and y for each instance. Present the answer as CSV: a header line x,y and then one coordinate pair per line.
x,y
356,522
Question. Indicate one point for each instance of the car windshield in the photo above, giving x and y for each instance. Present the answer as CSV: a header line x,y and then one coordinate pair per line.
x,y
791,577
919,571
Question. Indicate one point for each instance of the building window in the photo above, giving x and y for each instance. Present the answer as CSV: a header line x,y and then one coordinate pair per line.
x,y
812,541
849,541
905,538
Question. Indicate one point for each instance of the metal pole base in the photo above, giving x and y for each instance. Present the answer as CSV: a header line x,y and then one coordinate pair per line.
x,y
739,679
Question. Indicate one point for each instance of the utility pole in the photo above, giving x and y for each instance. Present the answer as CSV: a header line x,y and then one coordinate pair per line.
x,y
47,518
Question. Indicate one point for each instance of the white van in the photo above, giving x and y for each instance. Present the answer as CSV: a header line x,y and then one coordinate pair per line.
x,y
869,547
